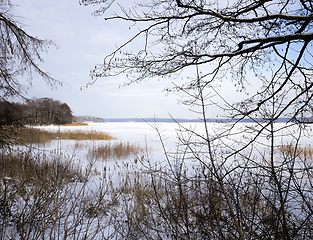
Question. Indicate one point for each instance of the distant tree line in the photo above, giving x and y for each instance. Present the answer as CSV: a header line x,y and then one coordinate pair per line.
x,y
42,111
87,119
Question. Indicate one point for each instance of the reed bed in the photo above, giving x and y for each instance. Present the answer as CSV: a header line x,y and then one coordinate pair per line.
x,y
85,135
107,150
27,167
116,150
30,135
305,152
40,136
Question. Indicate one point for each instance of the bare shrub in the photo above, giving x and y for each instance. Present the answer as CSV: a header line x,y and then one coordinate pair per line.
x,y
39,168
263,49
48,197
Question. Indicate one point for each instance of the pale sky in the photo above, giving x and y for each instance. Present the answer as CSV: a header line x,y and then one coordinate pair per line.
x,y
83,40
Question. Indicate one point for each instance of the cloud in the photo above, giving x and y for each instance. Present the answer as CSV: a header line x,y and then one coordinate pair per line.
x,y
83,41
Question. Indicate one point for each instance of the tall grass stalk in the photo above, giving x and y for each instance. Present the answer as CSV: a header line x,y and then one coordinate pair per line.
x,y
305,152
117,150
40,136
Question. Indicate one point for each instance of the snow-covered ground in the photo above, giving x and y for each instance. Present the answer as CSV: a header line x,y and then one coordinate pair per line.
x,y
115,171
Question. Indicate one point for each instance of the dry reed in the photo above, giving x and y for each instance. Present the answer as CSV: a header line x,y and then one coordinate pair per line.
x,y
30,135
301,151
39,168
40,136
116,150
85,135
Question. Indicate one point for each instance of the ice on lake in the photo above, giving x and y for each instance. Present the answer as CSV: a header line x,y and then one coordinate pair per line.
x,y
146,135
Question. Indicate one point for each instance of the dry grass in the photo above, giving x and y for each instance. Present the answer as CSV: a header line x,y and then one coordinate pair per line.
x,y
26,167
116,150
305,152
30,135
40,136
40,193
84,135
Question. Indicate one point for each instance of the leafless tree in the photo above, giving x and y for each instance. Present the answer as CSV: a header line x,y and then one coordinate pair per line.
x,y
41,196
20,53
233,38
253,180
19,57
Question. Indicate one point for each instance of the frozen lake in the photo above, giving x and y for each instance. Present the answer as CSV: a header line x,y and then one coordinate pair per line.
x,y
145,134
142,133
113,181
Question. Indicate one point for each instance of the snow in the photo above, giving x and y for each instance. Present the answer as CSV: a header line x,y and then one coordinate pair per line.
x,y
145,135
117,170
